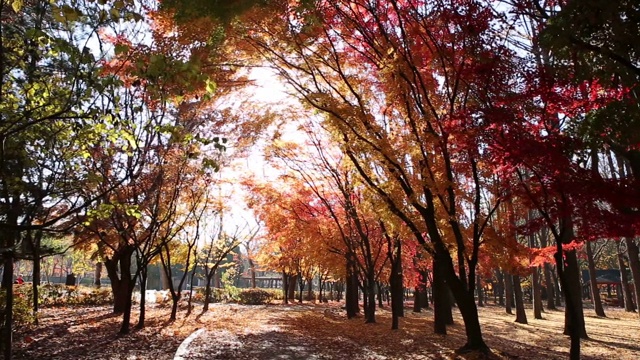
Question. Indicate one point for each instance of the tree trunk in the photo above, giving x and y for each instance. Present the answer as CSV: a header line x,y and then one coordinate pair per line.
x,y
508,287
480,291
300,287
521,315
499,288
351,290
164,279
293,280
252,269
285,288
573,310
395,284
535,282
97,275
143,298
207,289
310,290
465,300
380,294
557,291
550,287
634,264
440,299
118,287
537,294
370,310
624,282
35,279
593,282
7,286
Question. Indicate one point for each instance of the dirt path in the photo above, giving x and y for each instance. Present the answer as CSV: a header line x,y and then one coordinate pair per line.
x,y
313,332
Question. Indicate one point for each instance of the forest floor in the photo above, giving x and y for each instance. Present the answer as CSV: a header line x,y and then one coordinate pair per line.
x,y
312,331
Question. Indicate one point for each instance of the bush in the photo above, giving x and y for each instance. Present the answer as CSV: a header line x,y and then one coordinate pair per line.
x,y
276,294
254,297
57,295
217,295
22,304
101,296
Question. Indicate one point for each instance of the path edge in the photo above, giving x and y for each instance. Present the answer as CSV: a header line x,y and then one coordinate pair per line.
x,y
182,349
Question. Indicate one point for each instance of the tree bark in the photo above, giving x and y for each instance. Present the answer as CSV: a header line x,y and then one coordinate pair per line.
x,y
164,280
499,288
97,275
370,310
508,287
440,299
395,288
549,287
634,264
521,315
143,298
252,269
479,291
535,282
7,286
593,282
285,287
573,291
624,282
537,294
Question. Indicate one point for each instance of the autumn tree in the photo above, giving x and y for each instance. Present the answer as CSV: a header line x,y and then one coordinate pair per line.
x,y
50,86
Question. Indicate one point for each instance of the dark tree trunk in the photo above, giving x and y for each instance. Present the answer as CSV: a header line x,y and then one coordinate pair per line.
x,y
351,290
440,299
508,287
593,282
634,264
480,291
396,290
35,279
574,316
420,292
143,298
500,287
207,288
521,315
119,287
300,287
549,287
537,294
535,283
624,282
97,275
557,292
370,309
252,269
7,286
293,280
285,288
380,294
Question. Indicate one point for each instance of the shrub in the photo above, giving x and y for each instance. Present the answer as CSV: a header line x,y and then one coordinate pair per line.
x,y
254,297
101,296
57,295
22,304
276,294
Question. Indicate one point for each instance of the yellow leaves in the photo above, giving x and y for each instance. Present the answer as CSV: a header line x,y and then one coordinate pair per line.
x,y
16,5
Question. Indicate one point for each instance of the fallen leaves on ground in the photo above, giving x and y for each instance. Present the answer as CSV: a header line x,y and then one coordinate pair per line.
x,y
312,331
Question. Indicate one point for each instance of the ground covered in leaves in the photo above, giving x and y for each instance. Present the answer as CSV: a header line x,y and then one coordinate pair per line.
x,y
311,331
